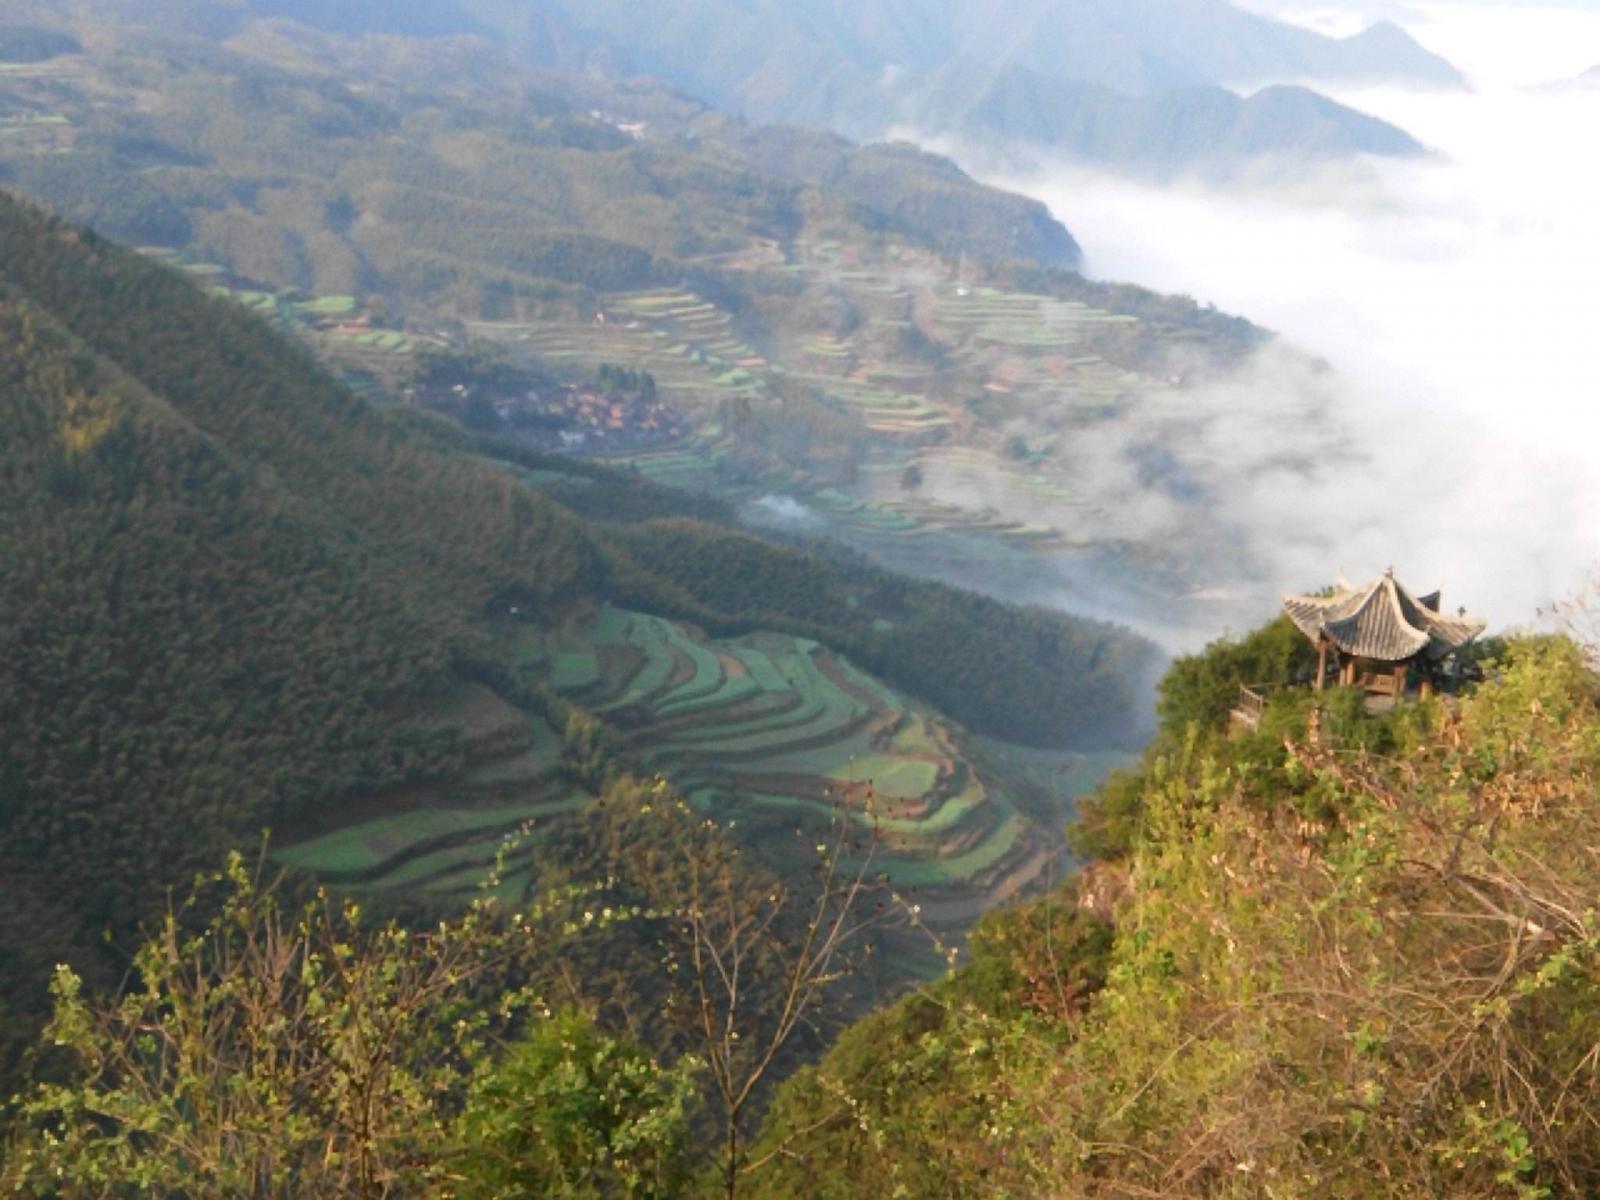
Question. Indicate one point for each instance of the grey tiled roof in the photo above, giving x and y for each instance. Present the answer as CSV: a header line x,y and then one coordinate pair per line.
x,y
1381,620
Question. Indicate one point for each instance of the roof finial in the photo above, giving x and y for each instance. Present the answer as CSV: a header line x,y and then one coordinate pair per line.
x,y
1389,572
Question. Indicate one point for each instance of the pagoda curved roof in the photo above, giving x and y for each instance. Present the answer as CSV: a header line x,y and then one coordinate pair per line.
x,y
1381,620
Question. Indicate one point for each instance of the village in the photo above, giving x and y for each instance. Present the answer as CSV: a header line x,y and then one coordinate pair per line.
x,y
616,411
621,410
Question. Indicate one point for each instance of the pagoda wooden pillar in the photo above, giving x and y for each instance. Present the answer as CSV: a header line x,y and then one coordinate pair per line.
x,y
1322,661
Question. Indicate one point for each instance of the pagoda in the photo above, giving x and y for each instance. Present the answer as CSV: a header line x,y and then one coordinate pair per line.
x,y
1378,634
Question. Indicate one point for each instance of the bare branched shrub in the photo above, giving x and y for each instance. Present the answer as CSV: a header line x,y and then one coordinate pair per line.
x,y
758,959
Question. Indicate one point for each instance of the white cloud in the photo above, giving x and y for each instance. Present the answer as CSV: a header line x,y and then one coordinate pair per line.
x,y
1458,299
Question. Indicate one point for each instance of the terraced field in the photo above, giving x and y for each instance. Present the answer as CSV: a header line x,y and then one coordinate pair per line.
x,y
1009,352
772,731
443,838
1027,342
768,732
1007,348
32,133
689,344
375,362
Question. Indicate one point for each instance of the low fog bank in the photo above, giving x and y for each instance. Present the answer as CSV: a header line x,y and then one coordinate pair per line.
x,y
1175,498
1457,300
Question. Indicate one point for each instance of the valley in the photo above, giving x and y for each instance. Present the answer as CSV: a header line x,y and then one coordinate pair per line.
x,y
557,639
890,352
1011,440
454,649
856,352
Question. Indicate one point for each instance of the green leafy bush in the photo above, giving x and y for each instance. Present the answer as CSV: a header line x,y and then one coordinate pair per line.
x,y
572,1112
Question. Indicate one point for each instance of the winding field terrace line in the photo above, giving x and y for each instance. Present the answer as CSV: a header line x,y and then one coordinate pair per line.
x,y
766,730
1018,348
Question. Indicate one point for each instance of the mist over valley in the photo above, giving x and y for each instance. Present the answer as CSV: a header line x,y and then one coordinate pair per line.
x,y
1451,298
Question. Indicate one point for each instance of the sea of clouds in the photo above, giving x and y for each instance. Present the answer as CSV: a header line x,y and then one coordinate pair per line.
x,y
1457,299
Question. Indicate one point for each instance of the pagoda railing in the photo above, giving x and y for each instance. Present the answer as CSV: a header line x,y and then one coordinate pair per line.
x,y
1250,707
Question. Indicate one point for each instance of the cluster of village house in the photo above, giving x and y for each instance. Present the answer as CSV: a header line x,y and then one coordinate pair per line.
x,y
573,416
590,410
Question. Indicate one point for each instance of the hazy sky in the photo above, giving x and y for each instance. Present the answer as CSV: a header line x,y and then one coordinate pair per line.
x,y
1459,300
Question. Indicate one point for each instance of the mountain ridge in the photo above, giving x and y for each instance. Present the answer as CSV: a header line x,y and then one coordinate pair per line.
x,y
1193,129
675,198
862,73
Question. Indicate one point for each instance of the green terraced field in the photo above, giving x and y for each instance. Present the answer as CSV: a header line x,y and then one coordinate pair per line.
x,y
727,682
416,836
769,727
961,868
891,777
364,849
329,306
768,733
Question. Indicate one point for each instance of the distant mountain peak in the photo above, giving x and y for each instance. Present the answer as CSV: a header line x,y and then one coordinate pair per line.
x,y
1386,33
1093,78
1386,50
1326,125
1203,128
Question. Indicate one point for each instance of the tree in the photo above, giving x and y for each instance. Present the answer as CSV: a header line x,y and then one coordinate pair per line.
x,y
573,1112
1203,687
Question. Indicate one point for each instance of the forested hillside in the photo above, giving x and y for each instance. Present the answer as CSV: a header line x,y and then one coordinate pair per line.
x,y
237,596
212,586
1348,955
